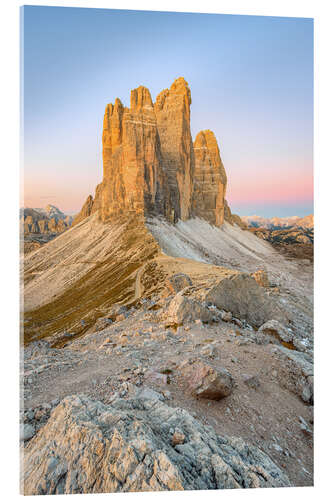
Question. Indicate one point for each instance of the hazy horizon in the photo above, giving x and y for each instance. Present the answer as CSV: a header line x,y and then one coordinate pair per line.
x,y
251,80
74,212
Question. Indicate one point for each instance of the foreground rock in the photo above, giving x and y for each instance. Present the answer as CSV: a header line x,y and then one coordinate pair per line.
x,y
87,447
207,382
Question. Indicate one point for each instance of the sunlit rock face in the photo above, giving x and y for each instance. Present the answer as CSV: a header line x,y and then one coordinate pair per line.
x,y
134,180
150,166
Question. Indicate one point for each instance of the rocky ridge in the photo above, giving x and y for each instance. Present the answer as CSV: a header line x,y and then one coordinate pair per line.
x,y
306,222
294,242
42,221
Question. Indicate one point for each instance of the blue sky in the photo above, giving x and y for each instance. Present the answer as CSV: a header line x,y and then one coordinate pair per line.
x,y
251,80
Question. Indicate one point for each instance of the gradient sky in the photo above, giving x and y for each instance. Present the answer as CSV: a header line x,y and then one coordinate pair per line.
x,y
251,80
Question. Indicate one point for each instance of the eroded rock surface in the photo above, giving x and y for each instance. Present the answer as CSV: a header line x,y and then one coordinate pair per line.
x,y
88,447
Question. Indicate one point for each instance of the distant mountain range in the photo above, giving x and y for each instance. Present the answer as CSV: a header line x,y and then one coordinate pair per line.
x,y
279,222
44,220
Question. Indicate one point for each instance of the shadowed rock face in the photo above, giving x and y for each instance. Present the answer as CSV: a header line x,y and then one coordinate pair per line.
x,y
210,180
150,166
172,110
87,447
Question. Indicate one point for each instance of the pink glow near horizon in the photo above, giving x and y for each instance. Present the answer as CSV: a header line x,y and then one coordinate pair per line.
x,y
260,189
67,194
266,188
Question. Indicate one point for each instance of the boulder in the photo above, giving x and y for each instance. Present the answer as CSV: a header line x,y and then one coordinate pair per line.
x,y
273,331
177,282
251,381
89,447
226,316
157,377
183,309
178,437
205,381
297,372
245,299
148,393
209,351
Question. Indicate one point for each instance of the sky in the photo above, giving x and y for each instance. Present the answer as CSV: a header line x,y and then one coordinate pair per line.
x,y
251,80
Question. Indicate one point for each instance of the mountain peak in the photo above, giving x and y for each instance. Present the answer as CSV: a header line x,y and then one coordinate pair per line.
x,y
150,166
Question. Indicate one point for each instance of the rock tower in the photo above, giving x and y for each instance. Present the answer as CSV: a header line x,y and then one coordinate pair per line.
x,y
151,166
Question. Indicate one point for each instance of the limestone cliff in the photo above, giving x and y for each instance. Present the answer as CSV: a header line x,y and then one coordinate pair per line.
x,y
210,180
150,166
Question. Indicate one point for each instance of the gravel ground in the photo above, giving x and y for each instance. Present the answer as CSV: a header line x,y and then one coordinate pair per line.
x,y
131,354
